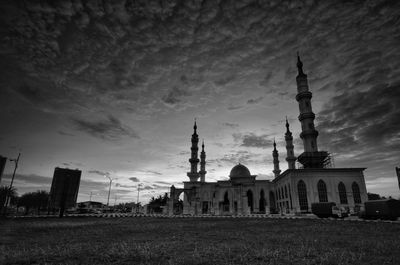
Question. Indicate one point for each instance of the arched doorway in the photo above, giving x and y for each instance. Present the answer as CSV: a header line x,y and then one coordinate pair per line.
x,y
225,203
272,206
342,193
322,191
302,192
178,202
356,193
250,200
262,202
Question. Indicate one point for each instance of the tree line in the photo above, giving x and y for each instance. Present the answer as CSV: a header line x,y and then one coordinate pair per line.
x,y
36,201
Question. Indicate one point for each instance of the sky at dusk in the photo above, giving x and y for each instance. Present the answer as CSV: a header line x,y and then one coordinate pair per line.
x,y
113,87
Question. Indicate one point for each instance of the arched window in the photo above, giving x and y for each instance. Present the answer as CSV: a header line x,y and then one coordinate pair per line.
x,y
272,204
356,192
262,202
342,193
225,204
250,200
322,193
302,191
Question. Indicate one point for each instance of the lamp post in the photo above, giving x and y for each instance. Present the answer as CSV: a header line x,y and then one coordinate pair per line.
x,y
137,201
11,184
109,189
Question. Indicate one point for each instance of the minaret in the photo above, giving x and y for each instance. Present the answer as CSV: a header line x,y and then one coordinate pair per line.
x,y
311,157
194,160
275,155
202,164
290,158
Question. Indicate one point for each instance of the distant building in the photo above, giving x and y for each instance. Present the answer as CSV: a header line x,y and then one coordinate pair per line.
x,y
292,191
3,161
91,205
64,188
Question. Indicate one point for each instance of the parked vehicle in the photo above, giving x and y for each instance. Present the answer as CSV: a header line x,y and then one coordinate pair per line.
x,y
328,209
386,209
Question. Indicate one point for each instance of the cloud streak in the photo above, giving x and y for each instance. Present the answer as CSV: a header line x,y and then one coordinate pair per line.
x,y
109,128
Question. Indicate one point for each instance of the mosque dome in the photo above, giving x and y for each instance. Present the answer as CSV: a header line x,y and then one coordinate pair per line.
x,y
239,171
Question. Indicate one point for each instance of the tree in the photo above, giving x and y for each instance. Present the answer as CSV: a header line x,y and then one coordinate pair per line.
x,y
4,192
156,205
374,196
37,200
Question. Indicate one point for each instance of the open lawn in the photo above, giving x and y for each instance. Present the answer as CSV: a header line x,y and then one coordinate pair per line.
x,y
197,241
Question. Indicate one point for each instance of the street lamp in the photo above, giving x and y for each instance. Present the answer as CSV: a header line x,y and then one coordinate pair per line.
x,y
109,189
137,201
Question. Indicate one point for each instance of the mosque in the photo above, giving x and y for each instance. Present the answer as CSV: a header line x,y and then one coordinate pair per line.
x,y
292,191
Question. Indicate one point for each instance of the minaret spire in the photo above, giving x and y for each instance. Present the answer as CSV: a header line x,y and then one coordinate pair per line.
x,y
194,160
311,157
202,164
299,65
290,158
275,155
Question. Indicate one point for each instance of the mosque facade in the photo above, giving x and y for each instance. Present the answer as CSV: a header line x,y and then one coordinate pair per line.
x,y
291,191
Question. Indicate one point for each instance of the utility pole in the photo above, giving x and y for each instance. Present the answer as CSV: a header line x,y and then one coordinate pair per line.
x,y
90,197
398,175
11,184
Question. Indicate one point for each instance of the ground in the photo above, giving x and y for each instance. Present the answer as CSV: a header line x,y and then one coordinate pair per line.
x,y
148,240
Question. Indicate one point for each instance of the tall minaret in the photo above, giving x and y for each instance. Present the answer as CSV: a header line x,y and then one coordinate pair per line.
x,y
202,164
194,160
306,117
311,157
290,158
275,155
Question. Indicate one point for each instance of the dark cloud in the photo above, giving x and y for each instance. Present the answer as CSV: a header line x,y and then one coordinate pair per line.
x,y
125,186
244,157
99,172
153,172
110,128
364,125
255,100
65,133
134,179
121,53
253,140
163,182
147,187
175,95
31,179
230,125
232,107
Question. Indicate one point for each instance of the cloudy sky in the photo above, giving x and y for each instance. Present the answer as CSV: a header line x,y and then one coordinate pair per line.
x,y
113,87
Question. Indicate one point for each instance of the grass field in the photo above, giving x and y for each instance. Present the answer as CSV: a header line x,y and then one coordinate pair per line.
x,y
197,241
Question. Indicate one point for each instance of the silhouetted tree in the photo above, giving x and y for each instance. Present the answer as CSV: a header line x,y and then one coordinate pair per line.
x,y
374,196
37,200
4,192
155,204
